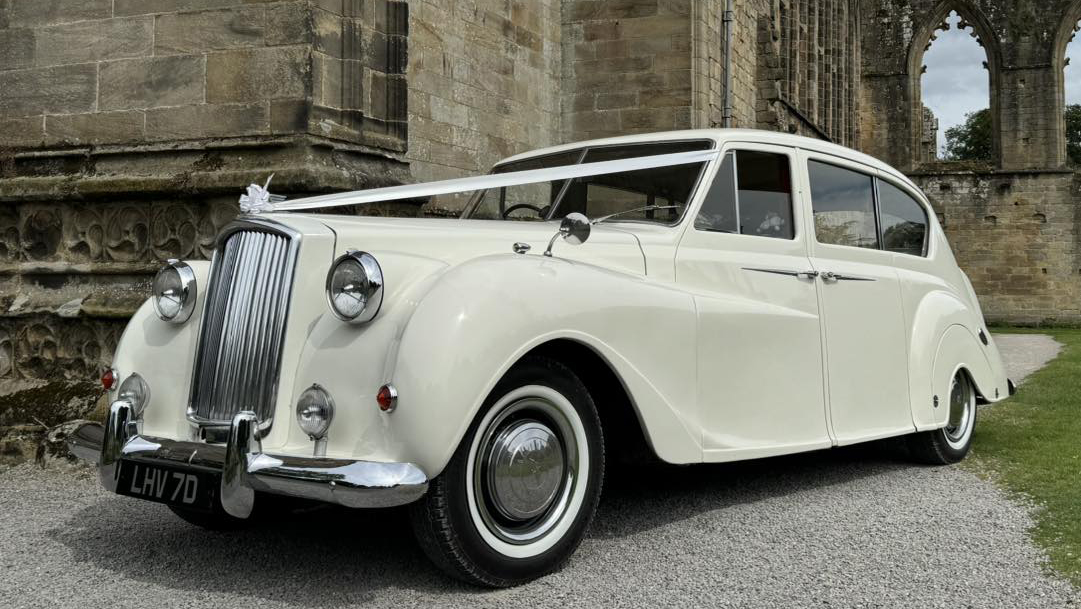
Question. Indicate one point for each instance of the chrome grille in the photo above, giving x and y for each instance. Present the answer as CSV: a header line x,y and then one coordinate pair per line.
x,y
239,355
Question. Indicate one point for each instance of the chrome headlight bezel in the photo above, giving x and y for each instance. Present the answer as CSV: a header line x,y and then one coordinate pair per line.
x,y
187,291
372,289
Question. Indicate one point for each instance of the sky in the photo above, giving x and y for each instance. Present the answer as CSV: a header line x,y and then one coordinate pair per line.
x,y
956,82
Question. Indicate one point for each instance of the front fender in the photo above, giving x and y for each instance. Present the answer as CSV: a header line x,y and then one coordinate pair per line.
x,y
164,354
482,316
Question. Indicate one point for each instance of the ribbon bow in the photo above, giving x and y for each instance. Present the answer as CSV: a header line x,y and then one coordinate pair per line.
x,y
259,199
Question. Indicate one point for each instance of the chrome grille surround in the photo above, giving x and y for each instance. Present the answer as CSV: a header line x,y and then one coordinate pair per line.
x,y
238,359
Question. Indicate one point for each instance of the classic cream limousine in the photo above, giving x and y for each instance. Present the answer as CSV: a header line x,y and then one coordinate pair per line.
x,y
709,295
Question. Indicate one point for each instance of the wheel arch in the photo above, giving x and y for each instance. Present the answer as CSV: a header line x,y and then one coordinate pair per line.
x,y
958,351
621,421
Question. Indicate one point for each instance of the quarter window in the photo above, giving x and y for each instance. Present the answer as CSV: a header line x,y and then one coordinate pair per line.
x,y
751,195
844,206
904,222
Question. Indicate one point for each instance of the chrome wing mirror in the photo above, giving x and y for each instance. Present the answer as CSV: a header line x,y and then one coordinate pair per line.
x,y
574,229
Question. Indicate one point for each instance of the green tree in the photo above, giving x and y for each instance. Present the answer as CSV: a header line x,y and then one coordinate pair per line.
x,y
1073,133
971,140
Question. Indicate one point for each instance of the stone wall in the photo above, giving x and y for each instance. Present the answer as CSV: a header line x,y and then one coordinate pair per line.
x,y
1015,233
129,127
626,67
483,83
1013,223
795,67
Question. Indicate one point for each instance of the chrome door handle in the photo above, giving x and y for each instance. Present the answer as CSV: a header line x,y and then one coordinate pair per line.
x,y
831,277
807,274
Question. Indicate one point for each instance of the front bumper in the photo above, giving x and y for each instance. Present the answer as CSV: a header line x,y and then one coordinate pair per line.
x,y
245,468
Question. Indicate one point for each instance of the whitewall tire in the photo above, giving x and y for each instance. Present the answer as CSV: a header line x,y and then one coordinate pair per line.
x,y
951,443
519,493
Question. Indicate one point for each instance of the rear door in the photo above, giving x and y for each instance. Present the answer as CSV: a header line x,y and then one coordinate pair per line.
x,y
760,385
860,300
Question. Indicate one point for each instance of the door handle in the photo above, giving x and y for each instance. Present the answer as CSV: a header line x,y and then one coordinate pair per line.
x,y
807,274
831,277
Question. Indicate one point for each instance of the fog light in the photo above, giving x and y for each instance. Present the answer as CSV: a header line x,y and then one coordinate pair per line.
x,y
108,379
136,392
315,410
387,398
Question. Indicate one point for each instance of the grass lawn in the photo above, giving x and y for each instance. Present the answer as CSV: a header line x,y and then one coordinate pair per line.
x,y
1031,444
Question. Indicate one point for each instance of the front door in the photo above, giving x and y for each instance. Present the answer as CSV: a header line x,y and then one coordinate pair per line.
x,y
860,299
760,385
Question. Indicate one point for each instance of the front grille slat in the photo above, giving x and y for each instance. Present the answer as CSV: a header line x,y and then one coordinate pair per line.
x,y
243,326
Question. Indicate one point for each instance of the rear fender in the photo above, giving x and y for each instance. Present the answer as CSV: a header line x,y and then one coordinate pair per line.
x,y
945,324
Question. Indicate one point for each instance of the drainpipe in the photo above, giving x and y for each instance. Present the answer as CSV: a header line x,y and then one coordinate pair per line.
x,y
728,18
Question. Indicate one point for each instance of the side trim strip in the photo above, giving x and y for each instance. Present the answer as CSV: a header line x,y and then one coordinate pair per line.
x,y
774,271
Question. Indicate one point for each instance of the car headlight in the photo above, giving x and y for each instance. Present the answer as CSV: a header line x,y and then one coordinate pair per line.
x,y
136,392
315,410
174,292
355,287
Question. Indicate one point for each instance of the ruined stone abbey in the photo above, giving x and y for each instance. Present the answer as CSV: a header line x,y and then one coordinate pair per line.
x,y
128,128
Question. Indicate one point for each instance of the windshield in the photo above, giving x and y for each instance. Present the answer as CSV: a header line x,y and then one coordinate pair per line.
x,y
668,187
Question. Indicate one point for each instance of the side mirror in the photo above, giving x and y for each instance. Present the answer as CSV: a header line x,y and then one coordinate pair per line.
x,y
574,229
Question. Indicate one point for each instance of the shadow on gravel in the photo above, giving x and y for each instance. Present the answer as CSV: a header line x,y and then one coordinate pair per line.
x,y
641,498
333,557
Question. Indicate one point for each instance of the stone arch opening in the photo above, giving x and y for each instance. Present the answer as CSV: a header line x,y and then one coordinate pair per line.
x,y
967,18
1067,65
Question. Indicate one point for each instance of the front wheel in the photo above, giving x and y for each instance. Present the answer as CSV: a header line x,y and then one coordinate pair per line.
x,y
951,443
519,493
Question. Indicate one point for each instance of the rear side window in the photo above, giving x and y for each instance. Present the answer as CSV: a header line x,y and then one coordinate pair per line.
x,y
751,195
904,221
844,206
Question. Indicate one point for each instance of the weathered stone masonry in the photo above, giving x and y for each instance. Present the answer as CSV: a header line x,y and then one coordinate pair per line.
x,y
1013,223
129,127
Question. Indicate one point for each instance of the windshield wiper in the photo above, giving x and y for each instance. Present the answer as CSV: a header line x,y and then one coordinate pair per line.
x,y
631,211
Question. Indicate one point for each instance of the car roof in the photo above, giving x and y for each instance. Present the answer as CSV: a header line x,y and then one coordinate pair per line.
x,y
721,136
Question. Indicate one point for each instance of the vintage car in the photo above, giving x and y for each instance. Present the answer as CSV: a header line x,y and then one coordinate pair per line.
x,y
734,294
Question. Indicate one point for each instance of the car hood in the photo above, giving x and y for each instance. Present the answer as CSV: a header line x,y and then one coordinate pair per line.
x,y
453,241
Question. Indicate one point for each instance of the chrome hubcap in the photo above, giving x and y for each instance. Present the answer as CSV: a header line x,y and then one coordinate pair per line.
x,y
525,468
525,471
961,404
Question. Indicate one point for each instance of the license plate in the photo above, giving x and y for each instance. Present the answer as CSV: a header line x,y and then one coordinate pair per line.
x,y
195,490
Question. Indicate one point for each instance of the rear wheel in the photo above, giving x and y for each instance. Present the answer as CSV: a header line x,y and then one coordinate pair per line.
x,y
951,443
517,496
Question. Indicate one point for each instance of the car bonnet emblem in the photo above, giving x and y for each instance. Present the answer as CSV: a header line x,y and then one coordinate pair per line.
x,y
259,199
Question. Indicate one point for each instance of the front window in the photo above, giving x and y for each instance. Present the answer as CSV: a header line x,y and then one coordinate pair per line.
x,y
663,191
751,195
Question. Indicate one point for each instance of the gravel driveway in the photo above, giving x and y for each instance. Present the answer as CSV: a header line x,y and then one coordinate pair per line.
x,y
855,527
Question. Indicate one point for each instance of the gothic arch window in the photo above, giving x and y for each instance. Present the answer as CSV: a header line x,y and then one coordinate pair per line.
x,y
952,84
1067,56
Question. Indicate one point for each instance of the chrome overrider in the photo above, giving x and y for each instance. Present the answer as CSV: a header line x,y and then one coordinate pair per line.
x,y
245,468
